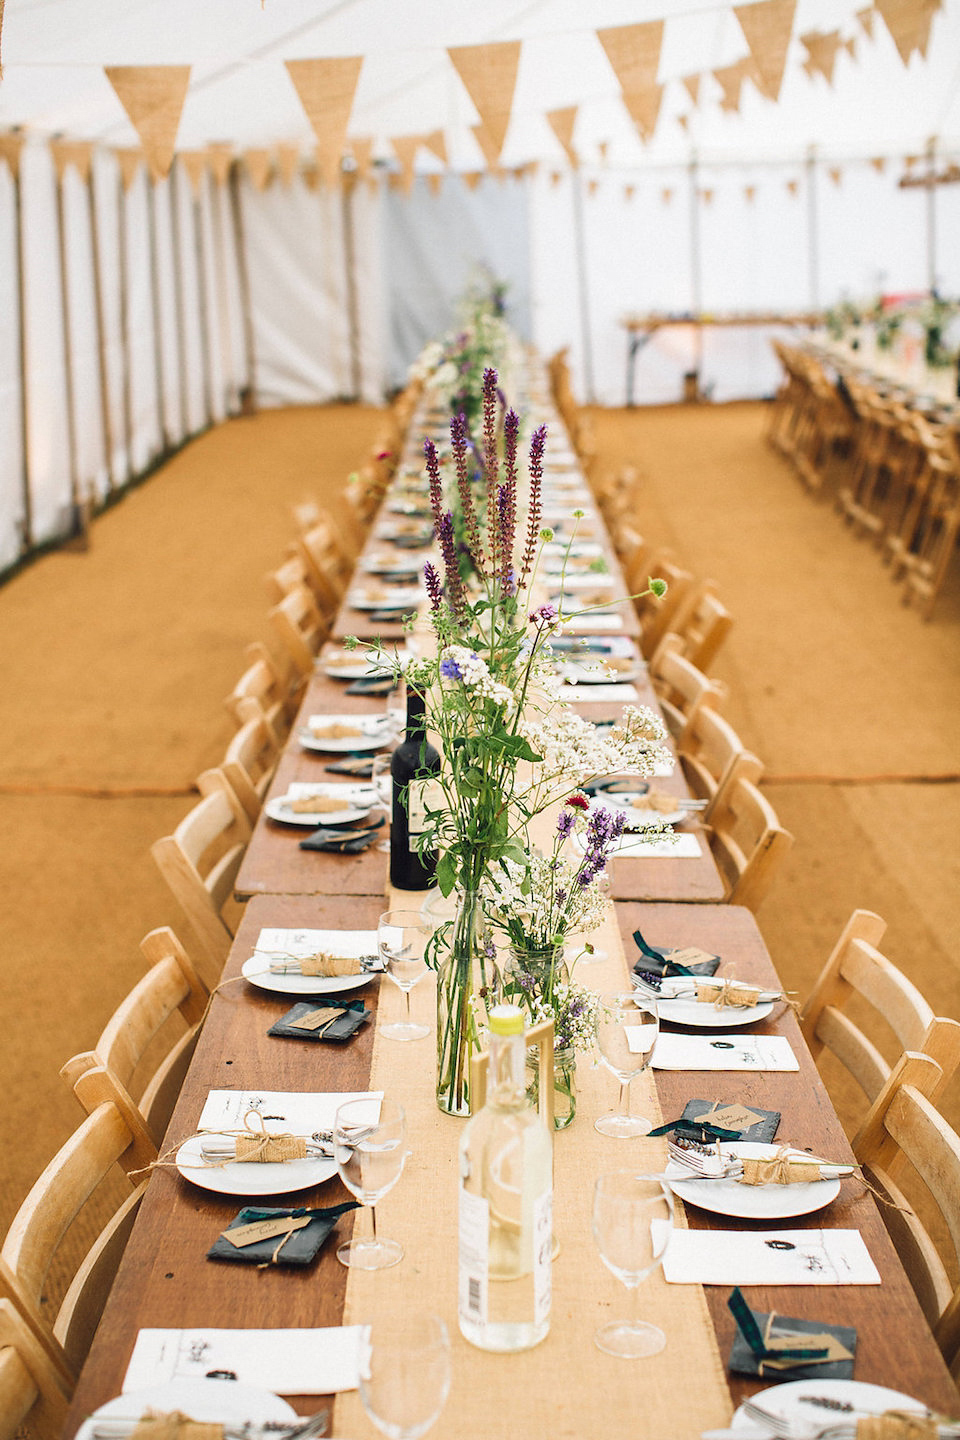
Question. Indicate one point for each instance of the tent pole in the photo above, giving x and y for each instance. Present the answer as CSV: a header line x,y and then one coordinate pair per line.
x,y
203,316
105,416
223,296
79,521
696,275
586,337
26,539
248,403
176,247
155,300
348,183
813,230
931,214
125,340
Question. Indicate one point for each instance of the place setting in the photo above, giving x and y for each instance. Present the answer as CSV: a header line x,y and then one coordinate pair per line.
x,y
347,734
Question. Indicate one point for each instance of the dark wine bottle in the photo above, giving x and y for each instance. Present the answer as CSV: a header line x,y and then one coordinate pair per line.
x,y
413,764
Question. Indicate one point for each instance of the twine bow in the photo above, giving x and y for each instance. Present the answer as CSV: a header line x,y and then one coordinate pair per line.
x,y
897,1425
264,1147
783,1168
174,1425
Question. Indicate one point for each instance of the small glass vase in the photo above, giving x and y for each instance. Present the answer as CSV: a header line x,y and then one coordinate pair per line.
x,y
466,983
564,1084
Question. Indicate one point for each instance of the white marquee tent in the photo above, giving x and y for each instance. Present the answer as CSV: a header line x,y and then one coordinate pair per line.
x,y
600,170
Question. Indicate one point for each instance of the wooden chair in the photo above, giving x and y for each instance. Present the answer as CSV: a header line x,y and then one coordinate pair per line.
x,y
263,691
327,569
681,688
114,1068
33,1393
857,971
286,578
904,1129
249,763
934,544
200,860
748,842
64,1193
657,613
702,622
712,756
301,628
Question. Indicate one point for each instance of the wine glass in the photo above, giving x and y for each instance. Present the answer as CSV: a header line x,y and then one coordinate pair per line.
x,y
632,1224
406,1380
402,936
627,1029
397,710
381,783
369,1141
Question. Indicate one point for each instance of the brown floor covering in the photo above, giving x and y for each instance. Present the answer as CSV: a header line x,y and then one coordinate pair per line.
x,y
115,663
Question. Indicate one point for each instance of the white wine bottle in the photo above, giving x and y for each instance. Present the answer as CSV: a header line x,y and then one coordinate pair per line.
x,y
506,1203
413,764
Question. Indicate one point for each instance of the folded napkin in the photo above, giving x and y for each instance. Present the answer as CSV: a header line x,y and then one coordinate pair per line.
x,y
768,1257
669,846
723,1052
322,728
288,1362
302,1113
591,694
267,1236
309,1021
340,842
583,624
789,1349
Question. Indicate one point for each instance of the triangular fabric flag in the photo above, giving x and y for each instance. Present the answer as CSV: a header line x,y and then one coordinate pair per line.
x,y
593,186
821,48
684,122
629,191
436,143
326,89
406,147
865,17
909,24
362,148
435,181
555,177
643,107
836,174
603,146
707,196
310,174
489,147
666,195
78,153
730,78
793,186
532,167
152,96
850,45
692,82
634,53
11,143
221,159
194,163
129,162
472,178
288,163
767,28
809,68
879,163
396,181
750,193
489,74
561,122
910,161
259,166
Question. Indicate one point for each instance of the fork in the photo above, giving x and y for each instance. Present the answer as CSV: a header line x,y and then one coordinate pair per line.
x,y
846,1429
313,1425
715,1165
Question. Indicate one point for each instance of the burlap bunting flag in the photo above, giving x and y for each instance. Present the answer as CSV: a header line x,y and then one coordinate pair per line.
x,y
10,146
909,24
666,195
406,147
643,107
489,74
692,82
436,143
472,178
362,148
684,122
821,48
129,162
194,163
793,187
836,174
879,163
435,181
326,89
221,158
629,191
288,164
767,28
152,96
488,146
78,153
561,122
634,53
865,17
749,193
259,167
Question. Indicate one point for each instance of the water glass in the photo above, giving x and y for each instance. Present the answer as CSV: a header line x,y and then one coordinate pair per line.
x,y
369,1141
406,1380
632,1224
627,1029
402,937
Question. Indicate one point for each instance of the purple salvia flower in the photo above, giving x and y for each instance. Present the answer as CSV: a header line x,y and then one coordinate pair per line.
x,y
448,549
436,484
434,588
489,462
537,444
565,823
460,441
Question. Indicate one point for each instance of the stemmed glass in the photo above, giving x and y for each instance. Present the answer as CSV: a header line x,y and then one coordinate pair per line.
x,y
369,1141
627,1029
632,1224
397,710
405,1383
402,936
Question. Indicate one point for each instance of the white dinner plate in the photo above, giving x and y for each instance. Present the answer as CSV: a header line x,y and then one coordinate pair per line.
x,y
243,1178
752,1202
704,1015
395,568
596,671
793,1401
398,597
377,731
358,664
208,1401
279,810
257,971
638,819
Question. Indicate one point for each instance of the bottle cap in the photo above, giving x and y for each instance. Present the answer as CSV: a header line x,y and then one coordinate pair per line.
x,y
506,1020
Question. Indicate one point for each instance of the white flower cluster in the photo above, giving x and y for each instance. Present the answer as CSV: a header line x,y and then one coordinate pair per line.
x,y
574,1015
427,361
575,751
459,665
555,904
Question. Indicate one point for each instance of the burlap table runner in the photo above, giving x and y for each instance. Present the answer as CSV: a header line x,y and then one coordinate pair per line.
x,y
565,1388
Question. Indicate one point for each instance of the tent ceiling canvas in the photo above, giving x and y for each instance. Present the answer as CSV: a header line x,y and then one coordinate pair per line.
x,y
54,52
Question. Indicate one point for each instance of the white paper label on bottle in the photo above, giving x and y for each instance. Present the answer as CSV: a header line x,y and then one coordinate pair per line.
x,y
542,1256
474,1239
422,795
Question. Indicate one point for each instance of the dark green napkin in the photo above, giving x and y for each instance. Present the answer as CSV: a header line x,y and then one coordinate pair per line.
x,y
296,1247
354,1013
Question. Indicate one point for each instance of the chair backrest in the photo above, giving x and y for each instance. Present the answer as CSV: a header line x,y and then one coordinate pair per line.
x,y
200,860
327,566
33,1393
856,971
262,690
113,1069
681,688
34,1240
712,755
286,577
748,842
249,763
904,1128
300,627
656,613
703,623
